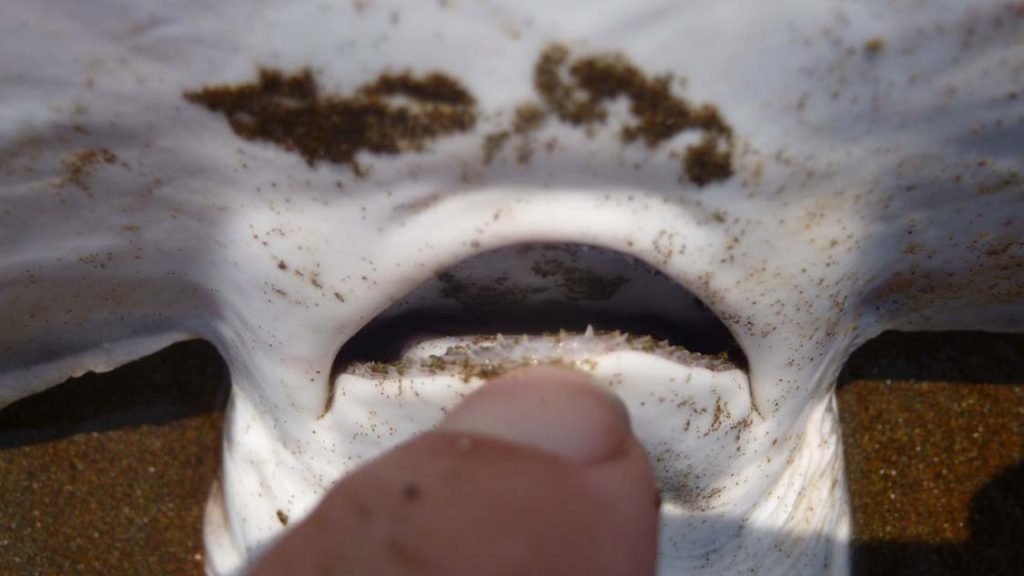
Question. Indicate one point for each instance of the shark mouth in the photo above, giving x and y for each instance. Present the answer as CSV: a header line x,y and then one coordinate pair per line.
x,y
635,330
529,304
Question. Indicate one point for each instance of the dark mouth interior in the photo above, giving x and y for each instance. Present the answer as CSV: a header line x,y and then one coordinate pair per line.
x,y
538,289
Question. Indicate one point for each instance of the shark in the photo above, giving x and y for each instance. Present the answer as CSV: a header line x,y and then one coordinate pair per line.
x,y
370,207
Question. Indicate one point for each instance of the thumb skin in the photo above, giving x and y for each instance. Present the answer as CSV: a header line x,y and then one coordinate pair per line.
x,y
536,473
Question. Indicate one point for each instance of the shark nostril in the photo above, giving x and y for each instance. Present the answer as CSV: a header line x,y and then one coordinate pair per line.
x,y
598,298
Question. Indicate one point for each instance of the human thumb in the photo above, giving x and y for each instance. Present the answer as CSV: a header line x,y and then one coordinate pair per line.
x,y
535,473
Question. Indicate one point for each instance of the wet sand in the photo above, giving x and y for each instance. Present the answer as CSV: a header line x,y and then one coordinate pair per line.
x,y
108,474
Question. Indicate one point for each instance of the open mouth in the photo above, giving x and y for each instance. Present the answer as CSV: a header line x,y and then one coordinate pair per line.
x,y
538,304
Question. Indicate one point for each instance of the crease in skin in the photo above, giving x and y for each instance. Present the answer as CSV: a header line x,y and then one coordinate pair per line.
x,y
873,182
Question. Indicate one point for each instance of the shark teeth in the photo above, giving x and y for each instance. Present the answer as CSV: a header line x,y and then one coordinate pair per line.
x,y
485,356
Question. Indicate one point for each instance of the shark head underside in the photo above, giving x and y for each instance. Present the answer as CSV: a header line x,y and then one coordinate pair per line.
x,y
371,207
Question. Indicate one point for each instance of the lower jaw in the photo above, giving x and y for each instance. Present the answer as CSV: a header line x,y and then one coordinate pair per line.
x,y
690,410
